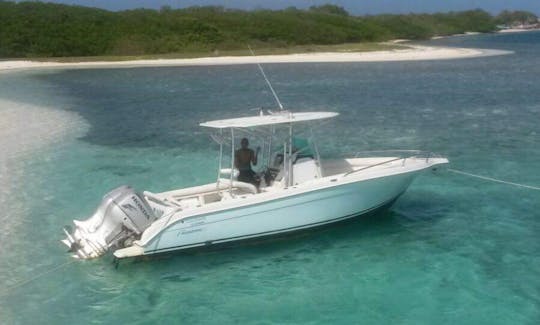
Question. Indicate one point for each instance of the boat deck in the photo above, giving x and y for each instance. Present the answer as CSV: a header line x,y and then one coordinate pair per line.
x,y
198,196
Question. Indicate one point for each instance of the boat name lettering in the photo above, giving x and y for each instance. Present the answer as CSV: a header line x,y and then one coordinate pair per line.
x,y
186,232
196,220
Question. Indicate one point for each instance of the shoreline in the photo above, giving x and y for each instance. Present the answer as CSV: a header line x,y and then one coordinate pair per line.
x,y
412,53
502,31
519,30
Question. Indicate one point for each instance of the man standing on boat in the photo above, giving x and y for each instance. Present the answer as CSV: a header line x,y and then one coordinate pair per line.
x,y
243,158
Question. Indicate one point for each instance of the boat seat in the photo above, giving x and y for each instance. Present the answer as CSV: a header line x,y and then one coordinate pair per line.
x,y
250,188
190,202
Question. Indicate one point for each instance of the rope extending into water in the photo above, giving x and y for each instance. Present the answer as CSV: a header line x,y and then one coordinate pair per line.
x,y
42,274
494,179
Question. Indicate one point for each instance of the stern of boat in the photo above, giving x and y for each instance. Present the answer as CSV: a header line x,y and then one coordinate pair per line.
x,y
118,221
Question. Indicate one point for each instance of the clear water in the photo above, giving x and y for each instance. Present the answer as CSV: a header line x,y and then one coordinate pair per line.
x,y
451,250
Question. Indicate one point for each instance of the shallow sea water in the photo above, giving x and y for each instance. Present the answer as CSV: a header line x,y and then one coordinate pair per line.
x,y
452,249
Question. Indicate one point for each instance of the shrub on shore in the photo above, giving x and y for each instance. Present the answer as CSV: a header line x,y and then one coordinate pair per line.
x,y
37,29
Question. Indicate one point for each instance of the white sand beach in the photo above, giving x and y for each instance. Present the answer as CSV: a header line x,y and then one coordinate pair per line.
x,y
518,30
413,53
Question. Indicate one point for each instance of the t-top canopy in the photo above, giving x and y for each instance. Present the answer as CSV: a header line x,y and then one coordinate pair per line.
x,y
273,119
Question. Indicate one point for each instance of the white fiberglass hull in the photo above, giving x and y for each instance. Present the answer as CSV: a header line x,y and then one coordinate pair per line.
x,y
288,213
296,190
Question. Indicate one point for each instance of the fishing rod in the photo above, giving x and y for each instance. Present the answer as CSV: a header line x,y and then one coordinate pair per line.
x,y
267,81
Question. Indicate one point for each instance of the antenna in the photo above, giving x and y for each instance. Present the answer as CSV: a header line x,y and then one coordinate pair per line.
x,y
267,81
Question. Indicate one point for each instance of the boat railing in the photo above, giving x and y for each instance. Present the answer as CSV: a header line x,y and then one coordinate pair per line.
x,y
399,152
393,155
404,154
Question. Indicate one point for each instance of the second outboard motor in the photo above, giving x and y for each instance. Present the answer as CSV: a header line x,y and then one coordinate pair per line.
x,y
120,218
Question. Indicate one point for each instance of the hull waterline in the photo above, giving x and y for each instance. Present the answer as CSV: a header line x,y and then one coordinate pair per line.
x,y
273,237
278,217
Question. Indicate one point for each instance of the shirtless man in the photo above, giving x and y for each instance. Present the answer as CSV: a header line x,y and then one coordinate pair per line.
x,y
243,158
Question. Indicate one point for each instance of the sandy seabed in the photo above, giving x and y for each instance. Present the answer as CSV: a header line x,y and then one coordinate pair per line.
x,y
27,130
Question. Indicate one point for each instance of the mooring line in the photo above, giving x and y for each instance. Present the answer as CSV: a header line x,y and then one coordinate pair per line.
x,y
42,274
493,179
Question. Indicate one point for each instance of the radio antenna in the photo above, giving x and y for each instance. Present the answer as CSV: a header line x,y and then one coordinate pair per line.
x,y
267,81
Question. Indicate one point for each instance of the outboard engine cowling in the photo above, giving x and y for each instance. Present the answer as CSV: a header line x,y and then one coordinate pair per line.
x,y
120,218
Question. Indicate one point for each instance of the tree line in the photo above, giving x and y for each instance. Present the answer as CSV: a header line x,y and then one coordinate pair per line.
x,y
37,29
519,17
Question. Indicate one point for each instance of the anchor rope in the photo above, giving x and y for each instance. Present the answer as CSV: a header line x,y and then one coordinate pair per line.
x,y
40,275
530,187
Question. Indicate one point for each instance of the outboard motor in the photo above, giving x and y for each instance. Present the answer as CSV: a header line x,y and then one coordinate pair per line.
x,y
119,220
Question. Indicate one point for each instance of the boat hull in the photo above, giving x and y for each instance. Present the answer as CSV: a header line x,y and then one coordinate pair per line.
x,y
277,236
281,216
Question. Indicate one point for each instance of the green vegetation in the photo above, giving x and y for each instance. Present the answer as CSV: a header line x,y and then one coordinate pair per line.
x,y
36,29
424,26
346,47
514,18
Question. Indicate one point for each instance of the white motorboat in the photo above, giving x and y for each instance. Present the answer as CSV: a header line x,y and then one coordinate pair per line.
x,y
298,190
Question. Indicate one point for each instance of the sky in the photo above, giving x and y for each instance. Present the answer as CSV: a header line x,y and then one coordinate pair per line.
x,y
356,7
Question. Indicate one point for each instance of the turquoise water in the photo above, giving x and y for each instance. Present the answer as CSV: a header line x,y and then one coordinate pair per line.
x,y
451,250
